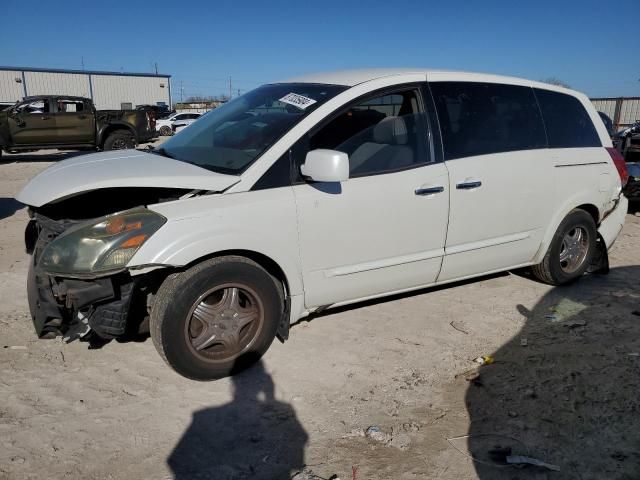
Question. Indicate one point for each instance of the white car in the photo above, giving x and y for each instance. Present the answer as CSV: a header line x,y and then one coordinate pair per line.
x,y
178,126
315,192
163,125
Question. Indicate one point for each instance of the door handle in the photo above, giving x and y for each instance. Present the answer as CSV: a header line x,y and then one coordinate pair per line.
x,y
429,190
468,185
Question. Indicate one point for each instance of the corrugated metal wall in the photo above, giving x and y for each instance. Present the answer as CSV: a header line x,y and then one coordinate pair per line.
x,y
41,83
110,91
107,91
629,111
10,90
622,111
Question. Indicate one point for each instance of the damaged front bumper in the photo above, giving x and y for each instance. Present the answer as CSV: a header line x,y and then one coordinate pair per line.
x,y
73,306
66,306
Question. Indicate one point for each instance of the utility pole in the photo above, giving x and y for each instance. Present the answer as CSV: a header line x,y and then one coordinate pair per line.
x,y
181,91
82,62
230,88
156,64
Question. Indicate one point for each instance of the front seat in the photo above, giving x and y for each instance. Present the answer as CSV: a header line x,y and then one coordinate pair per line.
x,y
387,151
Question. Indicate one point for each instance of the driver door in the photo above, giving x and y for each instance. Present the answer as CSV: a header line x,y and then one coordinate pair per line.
x,y
32,123
384,229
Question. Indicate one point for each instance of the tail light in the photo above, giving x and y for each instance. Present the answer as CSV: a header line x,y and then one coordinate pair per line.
x,y
152,120
618,161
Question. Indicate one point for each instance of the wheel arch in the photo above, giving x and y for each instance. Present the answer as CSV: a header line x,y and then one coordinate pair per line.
x,y
578,202
112,127
266,262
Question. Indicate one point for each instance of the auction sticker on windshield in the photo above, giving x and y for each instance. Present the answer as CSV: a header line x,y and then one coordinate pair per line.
x,y
296,100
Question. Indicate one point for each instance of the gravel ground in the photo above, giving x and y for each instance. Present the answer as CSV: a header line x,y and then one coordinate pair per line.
x,y
563,387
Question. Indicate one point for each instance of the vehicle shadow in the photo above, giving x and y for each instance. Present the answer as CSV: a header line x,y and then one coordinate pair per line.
x,y
565,389
49,156
9,206
254,436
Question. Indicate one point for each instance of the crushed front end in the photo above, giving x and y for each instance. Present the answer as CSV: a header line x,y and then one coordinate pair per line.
x,y
110,306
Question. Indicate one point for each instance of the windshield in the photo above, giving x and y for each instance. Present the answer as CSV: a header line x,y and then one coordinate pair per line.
x,y
230,138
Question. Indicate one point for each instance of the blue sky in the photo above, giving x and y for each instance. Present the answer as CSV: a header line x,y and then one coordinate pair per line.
x,y
587,44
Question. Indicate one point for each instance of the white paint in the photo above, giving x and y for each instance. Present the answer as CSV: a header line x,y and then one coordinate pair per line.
x,y
369,236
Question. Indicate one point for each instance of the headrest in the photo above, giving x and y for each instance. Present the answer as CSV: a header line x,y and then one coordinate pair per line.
x,y
391,130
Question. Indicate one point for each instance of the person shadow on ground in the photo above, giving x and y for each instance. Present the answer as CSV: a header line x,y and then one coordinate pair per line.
x,y
9,206
565,390
253,436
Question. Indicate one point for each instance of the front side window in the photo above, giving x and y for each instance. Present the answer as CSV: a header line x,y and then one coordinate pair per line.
x,y
380,134
231,137
37,106
484,118
568,123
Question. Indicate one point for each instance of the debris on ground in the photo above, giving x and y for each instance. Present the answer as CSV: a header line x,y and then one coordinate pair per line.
x,y
484,360
636,313
375,433
15,347
522,460
566,308
458,326
575,323
524,342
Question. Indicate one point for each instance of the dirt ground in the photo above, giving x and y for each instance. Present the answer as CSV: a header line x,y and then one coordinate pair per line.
x,y
563,388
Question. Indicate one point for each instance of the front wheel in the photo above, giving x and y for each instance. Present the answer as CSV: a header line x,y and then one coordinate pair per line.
x,y
165,131
571,250
216,318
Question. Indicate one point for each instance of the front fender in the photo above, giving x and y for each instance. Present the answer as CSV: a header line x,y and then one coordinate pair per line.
x,y
262,222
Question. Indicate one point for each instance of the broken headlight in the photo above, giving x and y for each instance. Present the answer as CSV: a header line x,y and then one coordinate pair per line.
x,y
101,245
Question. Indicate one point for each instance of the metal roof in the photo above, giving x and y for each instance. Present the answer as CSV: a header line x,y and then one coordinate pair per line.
x,y
86,72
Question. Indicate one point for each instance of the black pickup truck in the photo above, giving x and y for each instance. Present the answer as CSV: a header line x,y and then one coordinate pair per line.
x,y
65,122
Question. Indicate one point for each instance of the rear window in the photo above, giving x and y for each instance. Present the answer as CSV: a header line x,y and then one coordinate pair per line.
x,y
484,118
568,123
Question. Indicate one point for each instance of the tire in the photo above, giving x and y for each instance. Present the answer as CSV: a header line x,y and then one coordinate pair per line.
x,y
119,140
186,301
563,263
165,131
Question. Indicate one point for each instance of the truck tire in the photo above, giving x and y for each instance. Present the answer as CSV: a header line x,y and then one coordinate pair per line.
x,y
119,140
216,318
571,250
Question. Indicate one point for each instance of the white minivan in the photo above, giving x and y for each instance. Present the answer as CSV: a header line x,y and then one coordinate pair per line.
x,y
316,192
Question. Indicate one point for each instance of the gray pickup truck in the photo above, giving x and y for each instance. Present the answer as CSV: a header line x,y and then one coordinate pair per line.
x,y
66,122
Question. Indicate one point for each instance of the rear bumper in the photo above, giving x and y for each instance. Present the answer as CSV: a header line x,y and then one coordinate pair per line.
x,y
612,224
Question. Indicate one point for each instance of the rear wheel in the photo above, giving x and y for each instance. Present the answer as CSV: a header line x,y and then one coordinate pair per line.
x,y
165,130
571,250
216,318
119,140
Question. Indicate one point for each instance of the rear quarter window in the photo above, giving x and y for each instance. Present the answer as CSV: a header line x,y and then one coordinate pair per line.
x,y
484,118
567,122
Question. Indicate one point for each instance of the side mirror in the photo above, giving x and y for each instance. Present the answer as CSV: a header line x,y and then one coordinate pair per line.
x,y
326,166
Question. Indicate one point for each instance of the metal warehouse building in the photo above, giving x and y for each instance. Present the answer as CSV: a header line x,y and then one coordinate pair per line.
x,y
108,90
623,111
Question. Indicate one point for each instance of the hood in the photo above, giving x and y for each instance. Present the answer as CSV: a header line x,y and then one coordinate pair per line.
x,y
119,168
